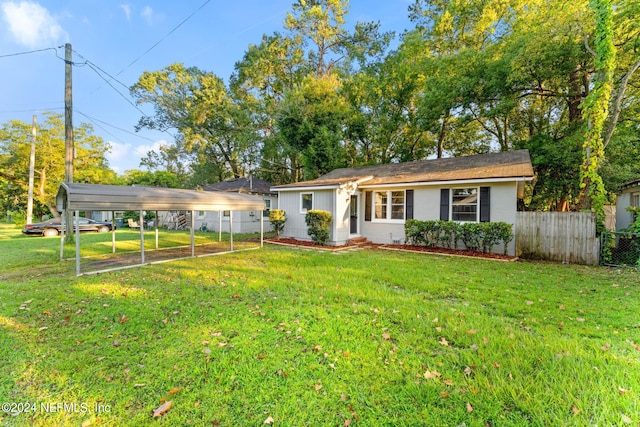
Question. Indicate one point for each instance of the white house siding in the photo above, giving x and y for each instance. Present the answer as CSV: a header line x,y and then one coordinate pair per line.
x,y
623,216
243,221
340,234
427,207
295,226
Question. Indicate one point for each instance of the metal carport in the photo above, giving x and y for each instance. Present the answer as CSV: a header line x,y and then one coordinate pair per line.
x,y
77,197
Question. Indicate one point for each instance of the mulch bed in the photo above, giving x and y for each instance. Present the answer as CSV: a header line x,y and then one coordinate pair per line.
x,y
406,248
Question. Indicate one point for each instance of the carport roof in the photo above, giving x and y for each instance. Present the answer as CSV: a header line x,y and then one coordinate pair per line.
x,y
98,197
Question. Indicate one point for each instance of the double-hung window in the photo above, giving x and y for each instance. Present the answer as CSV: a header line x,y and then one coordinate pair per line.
x,y
306,202
388,205
464,204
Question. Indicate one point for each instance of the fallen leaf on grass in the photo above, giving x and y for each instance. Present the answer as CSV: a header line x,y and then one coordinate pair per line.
x,y
467,370
162,409
636,346
469,408
386,336
622,391
626,419
529,302
269,420
444,342
432,374
173,391
123,319
575,410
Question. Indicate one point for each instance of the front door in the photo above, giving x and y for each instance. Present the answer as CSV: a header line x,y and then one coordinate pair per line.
x,y
353,215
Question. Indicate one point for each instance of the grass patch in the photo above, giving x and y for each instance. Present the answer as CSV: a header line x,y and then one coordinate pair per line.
x,y
317,338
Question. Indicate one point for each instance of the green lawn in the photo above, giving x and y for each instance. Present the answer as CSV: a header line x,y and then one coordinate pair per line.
x,y
298,337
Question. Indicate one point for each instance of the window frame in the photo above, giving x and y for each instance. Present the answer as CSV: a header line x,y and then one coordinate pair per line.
x,y
304,210
267,205
388,206
477,204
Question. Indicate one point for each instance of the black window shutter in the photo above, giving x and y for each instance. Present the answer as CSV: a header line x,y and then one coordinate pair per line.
x,y
444,204
485,202
367,205
409,204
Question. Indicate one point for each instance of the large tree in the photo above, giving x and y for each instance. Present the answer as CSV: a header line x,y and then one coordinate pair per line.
x,y
90,163
212,124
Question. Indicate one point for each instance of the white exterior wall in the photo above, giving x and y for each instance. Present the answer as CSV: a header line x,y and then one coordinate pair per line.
x,y
243,221
623,216
426,206
290,202
340,234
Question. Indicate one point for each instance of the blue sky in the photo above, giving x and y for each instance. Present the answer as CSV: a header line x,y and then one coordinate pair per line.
x,y
116,37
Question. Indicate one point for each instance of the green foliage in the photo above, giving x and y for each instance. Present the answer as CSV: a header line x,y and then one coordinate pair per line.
x,y
595,111
481,236
90,163
277,218
318,223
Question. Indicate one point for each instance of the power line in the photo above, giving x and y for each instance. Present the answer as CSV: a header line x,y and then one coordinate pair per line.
x,y
165,37
96,121
30,52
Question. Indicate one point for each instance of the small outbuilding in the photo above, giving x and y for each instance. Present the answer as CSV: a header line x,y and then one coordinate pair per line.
x,y
77,197
629,196
247,221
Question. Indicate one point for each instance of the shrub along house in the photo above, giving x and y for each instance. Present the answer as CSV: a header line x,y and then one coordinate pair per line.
x,y
375,201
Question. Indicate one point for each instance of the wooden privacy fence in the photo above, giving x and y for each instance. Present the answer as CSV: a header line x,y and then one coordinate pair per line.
x,y
558,236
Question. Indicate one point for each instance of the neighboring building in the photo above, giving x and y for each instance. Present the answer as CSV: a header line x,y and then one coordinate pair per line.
x,y
375,201
629,196
243,221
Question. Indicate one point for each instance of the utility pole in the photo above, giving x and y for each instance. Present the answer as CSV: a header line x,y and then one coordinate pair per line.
x,y
68,131
32,165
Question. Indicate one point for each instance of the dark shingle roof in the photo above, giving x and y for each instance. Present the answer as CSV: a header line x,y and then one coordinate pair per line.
x,y
241,185
508,164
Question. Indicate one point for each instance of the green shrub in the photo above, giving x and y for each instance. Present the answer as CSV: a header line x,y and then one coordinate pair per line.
x,y
318,223
277,218
471,236
505,231
449,234
481,236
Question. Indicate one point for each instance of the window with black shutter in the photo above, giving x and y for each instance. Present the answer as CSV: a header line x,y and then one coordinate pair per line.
x,y
444,204
485,202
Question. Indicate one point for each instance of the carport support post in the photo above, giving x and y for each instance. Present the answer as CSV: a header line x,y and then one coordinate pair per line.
x,y
219,226
231,231
113,232
261,229
193,239
141,223
61,241
77,221
155,222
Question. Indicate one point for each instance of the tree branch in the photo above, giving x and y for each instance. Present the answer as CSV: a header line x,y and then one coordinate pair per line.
x,y
617,103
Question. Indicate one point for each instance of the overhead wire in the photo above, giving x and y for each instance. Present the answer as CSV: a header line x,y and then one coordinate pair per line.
x,y
164,38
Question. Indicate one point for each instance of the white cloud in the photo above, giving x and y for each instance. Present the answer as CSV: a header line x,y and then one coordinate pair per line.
x,y
124,157
31,24
127,10
147,14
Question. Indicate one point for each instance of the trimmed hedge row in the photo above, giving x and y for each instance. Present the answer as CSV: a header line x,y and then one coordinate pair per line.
x,y
480,236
